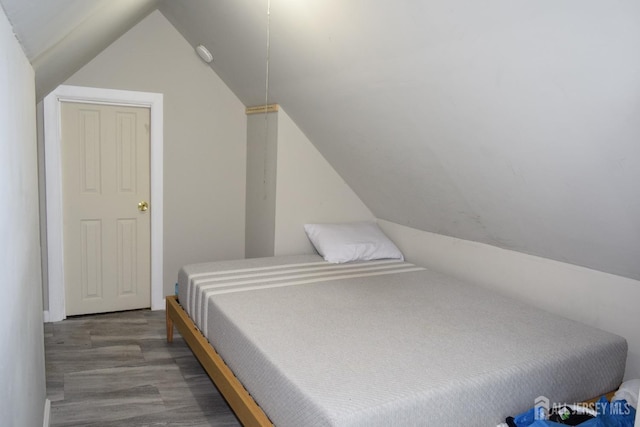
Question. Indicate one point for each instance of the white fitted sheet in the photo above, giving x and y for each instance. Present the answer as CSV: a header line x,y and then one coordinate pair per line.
x,y
388,343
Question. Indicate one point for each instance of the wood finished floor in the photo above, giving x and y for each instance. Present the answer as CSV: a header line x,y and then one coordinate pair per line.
x,y
117,369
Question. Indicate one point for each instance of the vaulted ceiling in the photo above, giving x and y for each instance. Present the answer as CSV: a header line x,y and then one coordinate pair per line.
x,y
515,124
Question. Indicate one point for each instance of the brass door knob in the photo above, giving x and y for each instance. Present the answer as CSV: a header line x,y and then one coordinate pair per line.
x,y
143,206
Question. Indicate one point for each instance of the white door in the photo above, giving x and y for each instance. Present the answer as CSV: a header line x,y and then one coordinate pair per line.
x,y
105,184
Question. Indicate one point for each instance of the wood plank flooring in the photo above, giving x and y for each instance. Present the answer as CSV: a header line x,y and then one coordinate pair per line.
x,y
117,369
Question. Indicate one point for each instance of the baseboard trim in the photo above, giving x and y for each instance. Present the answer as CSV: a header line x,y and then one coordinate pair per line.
x,y
47,317
47,413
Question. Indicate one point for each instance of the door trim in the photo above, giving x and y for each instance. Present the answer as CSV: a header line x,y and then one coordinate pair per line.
x,y
53,177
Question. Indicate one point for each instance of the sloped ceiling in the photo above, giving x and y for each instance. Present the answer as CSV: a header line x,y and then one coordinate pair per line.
x,y
515,124
60,36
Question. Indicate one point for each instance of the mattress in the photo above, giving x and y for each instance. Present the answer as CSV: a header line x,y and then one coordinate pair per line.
x,y
385,343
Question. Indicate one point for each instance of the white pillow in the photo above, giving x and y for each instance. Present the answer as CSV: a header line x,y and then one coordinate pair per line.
x,y
355,241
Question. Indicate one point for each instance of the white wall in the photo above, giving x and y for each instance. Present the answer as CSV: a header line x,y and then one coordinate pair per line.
x,y
22,376
204,140
308,190
262,146
43,205
603,300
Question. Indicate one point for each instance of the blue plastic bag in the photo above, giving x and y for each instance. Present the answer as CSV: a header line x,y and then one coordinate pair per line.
x,y
616,414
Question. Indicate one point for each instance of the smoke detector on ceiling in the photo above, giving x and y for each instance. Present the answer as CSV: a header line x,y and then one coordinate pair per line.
x,y
204,53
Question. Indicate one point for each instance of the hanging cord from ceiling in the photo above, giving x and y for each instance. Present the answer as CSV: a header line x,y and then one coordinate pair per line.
x,y
266,103
266,84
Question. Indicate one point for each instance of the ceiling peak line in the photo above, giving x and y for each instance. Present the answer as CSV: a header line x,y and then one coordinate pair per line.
x,y
266,104
266,84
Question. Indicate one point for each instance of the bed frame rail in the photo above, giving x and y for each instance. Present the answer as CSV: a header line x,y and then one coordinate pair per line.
x,y
245,408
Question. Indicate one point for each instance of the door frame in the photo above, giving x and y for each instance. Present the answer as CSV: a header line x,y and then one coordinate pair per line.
x,y
53,178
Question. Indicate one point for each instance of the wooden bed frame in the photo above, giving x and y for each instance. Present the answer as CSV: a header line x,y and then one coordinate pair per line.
x,y
245,408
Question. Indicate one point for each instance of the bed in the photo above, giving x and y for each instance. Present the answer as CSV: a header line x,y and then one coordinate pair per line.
x,y
299,341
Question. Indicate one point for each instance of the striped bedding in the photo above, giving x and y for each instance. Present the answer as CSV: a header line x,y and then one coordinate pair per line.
x,y
207,284
384,343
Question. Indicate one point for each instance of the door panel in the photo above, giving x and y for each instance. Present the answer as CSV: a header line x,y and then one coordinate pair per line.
x,y
127,257
91,258
105,159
